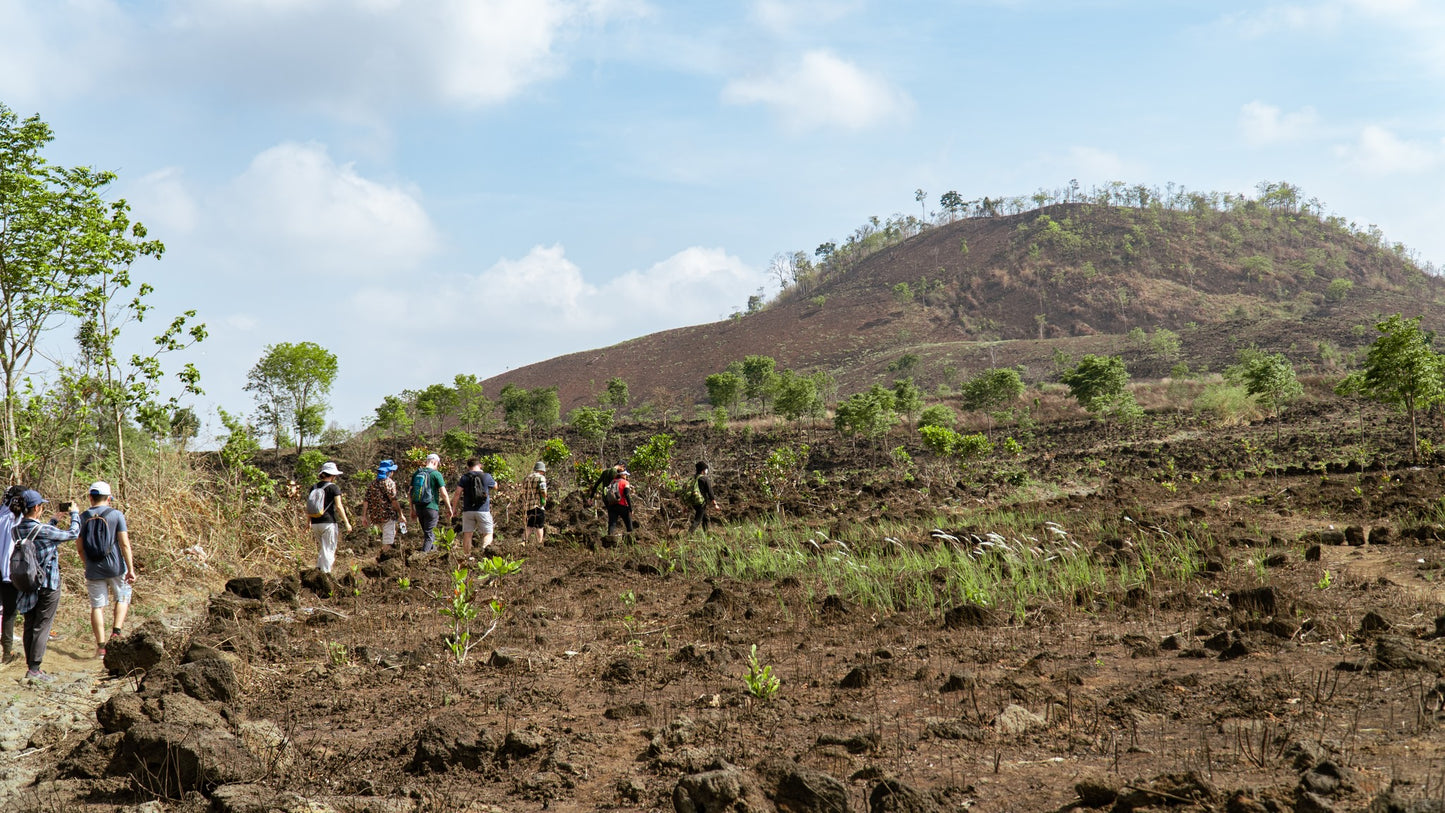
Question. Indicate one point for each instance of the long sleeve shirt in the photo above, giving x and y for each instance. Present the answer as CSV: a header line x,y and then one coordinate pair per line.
x,y
47,545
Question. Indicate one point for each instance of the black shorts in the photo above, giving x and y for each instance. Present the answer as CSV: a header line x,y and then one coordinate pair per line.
x,y
536,517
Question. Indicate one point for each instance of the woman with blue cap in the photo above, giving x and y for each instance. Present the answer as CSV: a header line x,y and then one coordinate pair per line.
x,y
380,506
39,605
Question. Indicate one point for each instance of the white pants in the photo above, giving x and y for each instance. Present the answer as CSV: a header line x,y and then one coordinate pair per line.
x,y
388,532
325,545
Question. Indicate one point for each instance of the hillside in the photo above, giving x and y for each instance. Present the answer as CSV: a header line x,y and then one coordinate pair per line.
x,y
1016,289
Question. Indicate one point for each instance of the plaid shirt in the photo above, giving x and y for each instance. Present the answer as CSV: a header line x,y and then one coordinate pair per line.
x,y
534,491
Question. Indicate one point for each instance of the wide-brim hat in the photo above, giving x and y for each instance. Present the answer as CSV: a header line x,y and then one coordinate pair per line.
x,y
330,468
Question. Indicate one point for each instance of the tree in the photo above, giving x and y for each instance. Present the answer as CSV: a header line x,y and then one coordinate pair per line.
x,y
952,203
291,383
473,408
392,417
435,402
1269,377
907,398
1403,369
869,414
59,240
592,424
616,394
797,397
1099,384
937,415
759,378
536,408
991,389
185,426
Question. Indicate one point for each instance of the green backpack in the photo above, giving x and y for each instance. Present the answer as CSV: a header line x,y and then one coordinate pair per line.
x,y
422,492
694,498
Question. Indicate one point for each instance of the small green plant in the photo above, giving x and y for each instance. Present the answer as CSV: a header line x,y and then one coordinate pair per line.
x,y
446,539
339,653
356,579
498,467
1324,582
403,582
759,679
630,623
463,609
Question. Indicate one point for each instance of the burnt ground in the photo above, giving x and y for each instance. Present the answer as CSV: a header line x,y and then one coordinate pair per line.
x,y
1298,670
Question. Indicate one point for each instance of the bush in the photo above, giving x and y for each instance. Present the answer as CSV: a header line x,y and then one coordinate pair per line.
x,y
969,447
938,415
498,467
308,465
1339,289
554,452
1227,404
939,439
458,444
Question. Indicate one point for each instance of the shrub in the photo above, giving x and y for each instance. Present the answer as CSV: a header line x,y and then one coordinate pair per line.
x,y
1338,289
938,415
458,444
554,452
1227,404
308,465
939,439
498,467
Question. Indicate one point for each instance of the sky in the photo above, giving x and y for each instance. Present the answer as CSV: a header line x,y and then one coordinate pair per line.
x,y
433,187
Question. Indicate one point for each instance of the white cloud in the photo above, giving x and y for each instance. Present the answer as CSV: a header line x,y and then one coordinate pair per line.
x,y
822,90
783,16
163,201
1419,25
52,48
1263,124
299,206
1378,151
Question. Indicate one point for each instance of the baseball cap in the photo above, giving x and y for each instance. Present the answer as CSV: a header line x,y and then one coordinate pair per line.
x,y
433,458
100,488
33,498
330,468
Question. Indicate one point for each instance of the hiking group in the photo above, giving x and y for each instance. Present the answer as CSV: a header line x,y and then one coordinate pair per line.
x,y
471,495
30,584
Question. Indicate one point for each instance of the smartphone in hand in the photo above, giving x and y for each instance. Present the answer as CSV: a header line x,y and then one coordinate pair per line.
x,y
64,507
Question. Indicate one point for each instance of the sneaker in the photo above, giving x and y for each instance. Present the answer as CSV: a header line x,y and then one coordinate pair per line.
x,y
100,652
37,676
55,636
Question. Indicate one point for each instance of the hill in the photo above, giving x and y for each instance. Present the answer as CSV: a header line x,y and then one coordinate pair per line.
x,y
1221,272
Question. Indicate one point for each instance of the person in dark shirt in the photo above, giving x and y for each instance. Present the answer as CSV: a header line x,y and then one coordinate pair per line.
x,y
603,480
323,527
702,497
474,494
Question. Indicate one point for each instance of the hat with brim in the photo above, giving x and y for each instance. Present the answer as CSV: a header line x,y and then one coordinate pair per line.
x,y
100,488
33,498
330,468
384,468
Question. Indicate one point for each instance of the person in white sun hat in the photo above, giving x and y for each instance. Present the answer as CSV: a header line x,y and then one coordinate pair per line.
x,y
104,548
324,507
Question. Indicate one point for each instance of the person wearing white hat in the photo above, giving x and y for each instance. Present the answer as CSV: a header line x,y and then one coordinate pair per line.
x,y
104,548
534,502
324,506
428,495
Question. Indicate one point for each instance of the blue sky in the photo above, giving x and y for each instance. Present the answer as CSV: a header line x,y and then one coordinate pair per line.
x,y
429,187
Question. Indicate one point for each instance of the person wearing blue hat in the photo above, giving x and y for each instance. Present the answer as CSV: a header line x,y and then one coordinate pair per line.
x,y
380,506
39,605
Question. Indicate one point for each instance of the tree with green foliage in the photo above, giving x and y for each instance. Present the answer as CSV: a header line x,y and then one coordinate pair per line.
x,y
1269,377
937,415
904,364
458,444
797,397
1402,369
616,394
867,414
392,417
907,398
435,403
759,377
290,383
1100,385
592,424
992,389
1338,289
473,408
724,389
536,408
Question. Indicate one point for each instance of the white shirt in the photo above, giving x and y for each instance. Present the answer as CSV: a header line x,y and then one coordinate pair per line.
x,y
7,523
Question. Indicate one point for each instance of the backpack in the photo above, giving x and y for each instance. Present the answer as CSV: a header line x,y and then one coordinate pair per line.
x,y
612,495
474,488
25,564
694,497
422,492
97,538
316,502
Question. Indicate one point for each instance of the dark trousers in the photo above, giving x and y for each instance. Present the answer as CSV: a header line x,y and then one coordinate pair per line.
x,y
37,626
699,518
428,517
8,595
616,514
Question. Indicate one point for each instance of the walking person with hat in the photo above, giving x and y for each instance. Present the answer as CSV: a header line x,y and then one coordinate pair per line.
x,y
39,600
104,548
324,507
534,502
428,494
380,506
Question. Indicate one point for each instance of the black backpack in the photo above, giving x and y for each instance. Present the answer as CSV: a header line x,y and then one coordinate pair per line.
x,y
474,488
97,537
25,563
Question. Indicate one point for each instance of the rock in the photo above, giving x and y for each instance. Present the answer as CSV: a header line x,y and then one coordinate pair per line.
x,y
265,741
1393,653
958,683
856,744
182,709
168,759
968,615
726,790
46,735
231,607
1242,802
248,798
521,743
543,785
1392,802
1314,553
91,758
445,741
318,582
1306,802
833,608
863,676
1095,793
953,730
1167,790
893,796
1234,651
1355,536
1277,560
211,679
628,711
622,669
121,711
1259,600
1373,622
1171,643
796,789
197,651
1218,642
1383,535
1305,754
504,657
284,589
138,651
1329,536
247,587
630,790
1017,720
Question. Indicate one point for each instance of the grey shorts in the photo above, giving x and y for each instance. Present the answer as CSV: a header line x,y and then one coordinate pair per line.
x,y
99,591
477,522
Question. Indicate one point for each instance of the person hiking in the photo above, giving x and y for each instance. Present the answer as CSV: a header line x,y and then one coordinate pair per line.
x,y
324,506
534,502
701,496
380,505
104,548
603,479
618,498
39,603
11,509
428,492
474,495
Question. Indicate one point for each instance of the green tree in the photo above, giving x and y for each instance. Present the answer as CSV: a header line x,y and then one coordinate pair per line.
x,y
868,414
474,409
1339,288
937,415
1269,377
1099,384
616,394
392,417
724,389
759,377
290,384
435,403
907,398
591,424
797,397
458,444
991,389
904,364
1403,369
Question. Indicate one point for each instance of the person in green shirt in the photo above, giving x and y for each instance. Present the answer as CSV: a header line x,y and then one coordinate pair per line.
x,y
428,494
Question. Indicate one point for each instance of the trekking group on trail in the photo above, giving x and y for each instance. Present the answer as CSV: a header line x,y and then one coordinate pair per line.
x,y
30,569
471,496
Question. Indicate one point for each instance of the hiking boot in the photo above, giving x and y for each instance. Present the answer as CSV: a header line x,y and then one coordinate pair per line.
x,y
37,676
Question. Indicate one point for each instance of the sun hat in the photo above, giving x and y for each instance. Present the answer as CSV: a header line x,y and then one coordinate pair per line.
x,y
433,458
384,468
330,468
33,498
540,466
100,488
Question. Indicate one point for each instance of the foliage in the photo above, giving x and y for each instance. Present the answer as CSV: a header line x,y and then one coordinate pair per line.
x,y
868,414
248,482
907,398
1098,383
592,424
759,377
937,415
392,416
473,408
290,383
1228,404
462,605
616,394
458,444
1267,376
797,397
1401,369
555,452
939,439
652,459
498,467
783,469
308,466
537,408
992,389
904,364
759,679
1338,289
724,389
